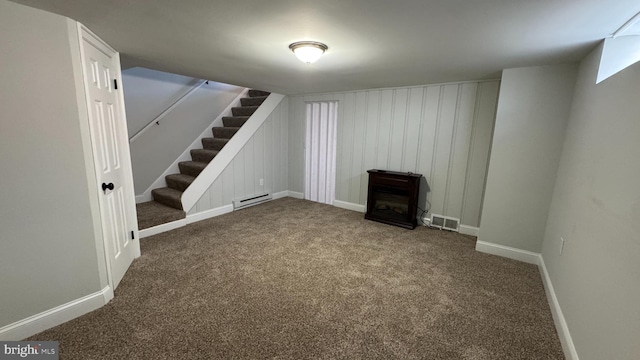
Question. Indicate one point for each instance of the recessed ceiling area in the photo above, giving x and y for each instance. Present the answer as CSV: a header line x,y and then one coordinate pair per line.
x,y
372,43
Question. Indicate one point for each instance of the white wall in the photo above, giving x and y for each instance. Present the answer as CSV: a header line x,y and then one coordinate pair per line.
x,y
596,209
263,157
533,109
49,218
441,131
147,94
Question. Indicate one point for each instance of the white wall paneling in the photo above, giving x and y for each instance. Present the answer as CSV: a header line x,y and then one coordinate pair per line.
x,y
264,156
441,131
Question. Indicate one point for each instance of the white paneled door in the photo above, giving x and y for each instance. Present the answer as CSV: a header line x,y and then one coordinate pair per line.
x,y
109,142
320,152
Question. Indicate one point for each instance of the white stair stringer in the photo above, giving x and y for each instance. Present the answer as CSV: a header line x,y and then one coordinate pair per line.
x,y
186,155
210,173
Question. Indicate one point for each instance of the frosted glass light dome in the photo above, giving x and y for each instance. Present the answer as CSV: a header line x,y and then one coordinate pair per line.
x,y
308,51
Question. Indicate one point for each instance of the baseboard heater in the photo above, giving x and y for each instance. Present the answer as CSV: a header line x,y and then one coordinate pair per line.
x,y
445,222
251,200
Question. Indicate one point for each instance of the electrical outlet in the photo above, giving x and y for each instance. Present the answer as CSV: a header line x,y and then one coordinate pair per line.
x,y
561,245
261,182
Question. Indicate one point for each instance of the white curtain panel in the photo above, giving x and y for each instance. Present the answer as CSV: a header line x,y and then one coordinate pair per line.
x,y
320,152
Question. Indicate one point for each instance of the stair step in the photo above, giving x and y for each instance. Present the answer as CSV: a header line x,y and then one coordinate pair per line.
x,y
214,143
192,168
258,93
234,121
253,101
169,197
203,155
244,110
224,132
179,182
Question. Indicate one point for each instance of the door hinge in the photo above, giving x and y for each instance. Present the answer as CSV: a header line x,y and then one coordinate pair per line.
x,y
132,235
115,84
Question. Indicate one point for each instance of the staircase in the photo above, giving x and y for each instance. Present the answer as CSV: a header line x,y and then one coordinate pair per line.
x,y
189,170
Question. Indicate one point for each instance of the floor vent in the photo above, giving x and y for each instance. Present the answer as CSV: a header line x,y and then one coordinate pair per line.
x,y
250,200
445,222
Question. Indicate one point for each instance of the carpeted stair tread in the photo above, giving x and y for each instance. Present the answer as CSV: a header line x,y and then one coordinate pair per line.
x,y
179,182
253,101
167,196
203,155
152,213
244,110
234,121
258,93
192,168
224,132
214,143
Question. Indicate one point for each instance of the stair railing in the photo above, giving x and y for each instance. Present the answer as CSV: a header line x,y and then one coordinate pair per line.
x,y
156,120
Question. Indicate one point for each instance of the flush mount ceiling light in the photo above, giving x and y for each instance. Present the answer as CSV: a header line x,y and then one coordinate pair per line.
x,y
308,51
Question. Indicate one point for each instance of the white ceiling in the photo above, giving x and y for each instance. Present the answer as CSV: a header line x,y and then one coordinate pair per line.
x,y
372,43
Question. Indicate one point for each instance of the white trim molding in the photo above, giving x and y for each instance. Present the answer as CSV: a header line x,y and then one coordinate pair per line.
x,y
208,214
562,328
158,229
350,206
287,193
469,230
56,316
508,252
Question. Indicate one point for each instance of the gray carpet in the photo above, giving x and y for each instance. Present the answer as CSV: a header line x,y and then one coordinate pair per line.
x,y
292,279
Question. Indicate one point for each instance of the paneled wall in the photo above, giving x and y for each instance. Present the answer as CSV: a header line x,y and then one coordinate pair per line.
x,y
263,157
441,131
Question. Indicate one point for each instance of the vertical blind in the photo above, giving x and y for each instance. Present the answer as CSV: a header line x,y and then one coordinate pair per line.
x,y
320,152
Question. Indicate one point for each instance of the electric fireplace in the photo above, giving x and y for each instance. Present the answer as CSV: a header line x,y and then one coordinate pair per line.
x,y
393,198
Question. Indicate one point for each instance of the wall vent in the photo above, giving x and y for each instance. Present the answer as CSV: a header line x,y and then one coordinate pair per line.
x,y
445,222
251,200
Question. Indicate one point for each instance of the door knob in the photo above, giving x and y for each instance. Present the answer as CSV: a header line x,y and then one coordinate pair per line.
x,y
107,186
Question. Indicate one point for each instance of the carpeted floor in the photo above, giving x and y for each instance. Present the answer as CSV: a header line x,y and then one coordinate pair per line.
x,y
292,279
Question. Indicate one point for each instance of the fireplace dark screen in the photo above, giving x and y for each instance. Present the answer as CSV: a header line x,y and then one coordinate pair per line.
x,y
393,198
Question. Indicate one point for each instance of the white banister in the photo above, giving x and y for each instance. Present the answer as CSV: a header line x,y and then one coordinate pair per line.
x,y
157,119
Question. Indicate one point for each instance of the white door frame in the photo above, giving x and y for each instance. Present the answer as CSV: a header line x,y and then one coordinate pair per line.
x,y
85,33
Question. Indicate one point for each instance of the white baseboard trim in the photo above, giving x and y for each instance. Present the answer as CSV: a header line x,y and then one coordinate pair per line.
x,y
562,328
287,193
207,214
508,252
469,230
295,194
54,317
350,206
162,228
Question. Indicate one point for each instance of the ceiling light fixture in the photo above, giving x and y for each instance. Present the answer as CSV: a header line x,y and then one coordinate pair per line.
x,y
308,51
